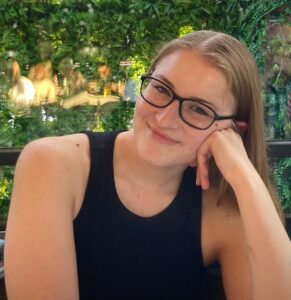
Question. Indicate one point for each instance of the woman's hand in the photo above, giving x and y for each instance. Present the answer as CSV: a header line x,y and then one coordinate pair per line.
x,y
227,149
265,237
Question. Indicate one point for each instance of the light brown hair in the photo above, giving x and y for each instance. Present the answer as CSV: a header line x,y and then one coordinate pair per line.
x,y
236,62
13,71
40,71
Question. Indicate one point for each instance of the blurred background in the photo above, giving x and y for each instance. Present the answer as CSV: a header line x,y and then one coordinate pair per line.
x,y
68,66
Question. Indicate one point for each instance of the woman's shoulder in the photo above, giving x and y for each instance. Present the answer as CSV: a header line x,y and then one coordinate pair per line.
x,y
221,221
68,148
224,240
56,163
49,182
220,207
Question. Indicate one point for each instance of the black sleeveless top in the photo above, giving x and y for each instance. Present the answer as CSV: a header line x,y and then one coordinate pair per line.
x,y
121,255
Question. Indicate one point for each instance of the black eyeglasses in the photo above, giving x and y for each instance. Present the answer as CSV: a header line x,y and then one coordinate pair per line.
x,y
193,112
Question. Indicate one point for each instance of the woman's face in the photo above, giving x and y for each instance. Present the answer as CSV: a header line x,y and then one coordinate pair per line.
x,y
162,138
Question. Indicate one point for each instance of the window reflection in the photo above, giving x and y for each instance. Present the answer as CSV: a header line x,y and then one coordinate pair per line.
x,y
277,81
60,57
22,90
66,86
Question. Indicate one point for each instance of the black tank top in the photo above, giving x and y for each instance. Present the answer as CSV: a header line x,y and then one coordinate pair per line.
x,y
121,255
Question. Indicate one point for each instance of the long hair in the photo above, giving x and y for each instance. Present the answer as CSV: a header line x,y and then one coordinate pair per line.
x,y
236,62
13,72
40,71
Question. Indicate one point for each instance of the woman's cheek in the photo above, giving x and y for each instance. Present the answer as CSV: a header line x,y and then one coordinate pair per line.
x,y
141,108
137,111
197,141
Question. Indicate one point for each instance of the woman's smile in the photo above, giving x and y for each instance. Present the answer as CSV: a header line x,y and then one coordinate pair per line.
x,y
161,137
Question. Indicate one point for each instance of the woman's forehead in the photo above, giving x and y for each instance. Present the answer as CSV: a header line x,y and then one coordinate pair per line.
x,y
185,59
192,75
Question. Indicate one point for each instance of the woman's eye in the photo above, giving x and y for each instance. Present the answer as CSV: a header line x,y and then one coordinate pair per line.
x,y
198,109
162,90
201,111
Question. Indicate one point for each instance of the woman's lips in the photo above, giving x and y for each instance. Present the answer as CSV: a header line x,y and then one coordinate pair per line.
x,y
161,137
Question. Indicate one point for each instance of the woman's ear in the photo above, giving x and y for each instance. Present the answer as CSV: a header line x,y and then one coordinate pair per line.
x,y
241,127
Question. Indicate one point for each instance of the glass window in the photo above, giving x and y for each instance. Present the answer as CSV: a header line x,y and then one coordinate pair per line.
x,y
68,66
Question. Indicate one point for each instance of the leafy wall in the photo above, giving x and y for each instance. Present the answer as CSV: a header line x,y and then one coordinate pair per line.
x,y
90,33
112,31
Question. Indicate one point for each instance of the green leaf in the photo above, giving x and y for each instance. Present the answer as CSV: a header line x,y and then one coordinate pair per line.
x,y
207,11
156,10
119,18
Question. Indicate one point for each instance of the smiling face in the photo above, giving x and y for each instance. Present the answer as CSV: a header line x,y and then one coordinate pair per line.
x,y
162,138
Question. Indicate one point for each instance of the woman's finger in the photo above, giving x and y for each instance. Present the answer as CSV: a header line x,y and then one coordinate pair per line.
x,y
198,182
203,157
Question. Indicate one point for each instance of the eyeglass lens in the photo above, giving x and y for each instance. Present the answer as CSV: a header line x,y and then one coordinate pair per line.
x,y
192,112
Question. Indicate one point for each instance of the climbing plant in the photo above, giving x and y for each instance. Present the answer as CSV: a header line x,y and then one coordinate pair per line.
x,y
92,32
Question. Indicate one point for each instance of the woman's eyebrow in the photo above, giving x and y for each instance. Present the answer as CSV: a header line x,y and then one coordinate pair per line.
x,y
171,85
203,101
165,80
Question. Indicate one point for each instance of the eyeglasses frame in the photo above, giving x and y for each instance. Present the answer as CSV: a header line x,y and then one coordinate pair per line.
x,y
216,117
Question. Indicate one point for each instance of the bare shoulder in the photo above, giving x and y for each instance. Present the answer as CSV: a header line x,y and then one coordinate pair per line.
x,y
219,217
49,184
58,148
223,240
61,163
222,211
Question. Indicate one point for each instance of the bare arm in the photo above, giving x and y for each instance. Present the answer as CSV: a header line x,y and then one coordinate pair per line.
x,y
40,258
223,240
267,245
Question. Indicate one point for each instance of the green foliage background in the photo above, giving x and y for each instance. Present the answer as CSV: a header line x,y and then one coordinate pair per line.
x,y
115,30
110,31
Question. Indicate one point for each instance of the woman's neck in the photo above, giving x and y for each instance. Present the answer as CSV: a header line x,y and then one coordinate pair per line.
x,y
136,169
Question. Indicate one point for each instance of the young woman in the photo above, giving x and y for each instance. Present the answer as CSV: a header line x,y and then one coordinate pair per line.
x,y
45,89
22,91
139,214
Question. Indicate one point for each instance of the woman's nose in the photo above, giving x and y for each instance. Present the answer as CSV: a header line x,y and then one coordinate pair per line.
x,y
169,115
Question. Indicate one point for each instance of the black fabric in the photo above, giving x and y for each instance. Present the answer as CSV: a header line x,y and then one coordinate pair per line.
x,y
124,256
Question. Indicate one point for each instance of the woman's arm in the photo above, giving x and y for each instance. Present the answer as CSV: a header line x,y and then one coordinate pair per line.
x,y
267,245
40,260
